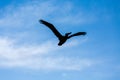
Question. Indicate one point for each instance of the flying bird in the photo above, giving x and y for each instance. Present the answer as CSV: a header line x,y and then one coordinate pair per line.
x,y
62,38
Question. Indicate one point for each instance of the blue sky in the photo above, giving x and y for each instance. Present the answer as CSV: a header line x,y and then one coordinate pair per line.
x,y
29,51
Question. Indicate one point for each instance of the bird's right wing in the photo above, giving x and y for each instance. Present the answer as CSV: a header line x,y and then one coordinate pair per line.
x,y
51,26
78,34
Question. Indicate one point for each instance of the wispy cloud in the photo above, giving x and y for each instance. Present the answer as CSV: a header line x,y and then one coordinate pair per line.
x,y
28,14
37,57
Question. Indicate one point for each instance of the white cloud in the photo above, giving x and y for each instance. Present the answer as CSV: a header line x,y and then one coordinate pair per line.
x,y
37,57
28,14
79,18
25,15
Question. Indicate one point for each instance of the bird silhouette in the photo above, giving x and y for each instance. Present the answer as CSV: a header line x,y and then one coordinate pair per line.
x,y
62,38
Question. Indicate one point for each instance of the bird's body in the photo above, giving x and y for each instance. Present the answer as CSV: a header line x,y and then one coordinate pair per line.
x,y
62,38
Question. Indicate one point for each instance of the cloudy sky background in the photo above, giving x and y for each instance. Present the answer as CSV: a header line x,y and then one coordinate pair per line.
x,y
29,51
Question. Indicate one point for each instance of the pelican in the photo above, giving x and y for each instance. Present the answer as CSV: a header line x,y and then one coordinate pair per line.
x,y
62,38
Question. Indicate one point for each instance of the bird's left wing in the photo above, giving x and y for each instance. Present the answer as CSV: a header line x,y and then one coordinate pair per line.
x,y
51,26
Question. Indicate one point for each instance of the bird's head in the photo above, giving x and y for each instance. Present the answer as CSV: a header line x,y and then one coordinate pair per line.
x,y
67,34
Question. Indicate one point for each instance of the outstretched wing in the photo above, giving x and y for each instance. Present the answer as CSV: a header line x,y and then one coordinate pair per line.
x,y
77,34
51,26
